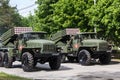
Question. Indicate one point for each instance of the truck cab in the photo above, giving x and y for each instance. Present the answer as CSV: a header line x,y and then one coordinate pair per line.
x,y
36,41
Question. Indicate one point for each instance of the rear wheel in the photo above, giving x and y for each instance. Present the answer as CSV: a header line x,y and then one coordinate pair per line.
x,y
84,57
1,59
27,62
8,60
105,58
55,62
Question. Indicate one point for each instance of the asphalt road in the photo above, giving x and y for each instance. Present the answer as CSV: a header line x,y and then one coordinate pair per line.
x,y
69,71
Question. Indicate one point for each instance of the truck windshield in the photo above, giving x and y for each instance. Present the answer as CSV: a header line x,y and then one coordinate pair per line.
x,y
88,36
35,35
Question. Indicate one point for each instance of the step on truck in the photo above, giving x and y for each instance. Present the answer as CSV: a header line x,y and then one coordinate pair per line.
x,y
83,47
29,47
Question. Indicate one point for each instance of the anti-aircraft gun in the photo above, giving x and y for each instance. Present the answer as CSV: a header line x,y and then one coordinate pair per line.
x,y
29,47
83,47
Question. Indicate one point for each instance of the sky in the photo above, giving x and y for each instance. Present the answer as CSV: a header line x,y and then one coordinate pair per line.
x,y
25,7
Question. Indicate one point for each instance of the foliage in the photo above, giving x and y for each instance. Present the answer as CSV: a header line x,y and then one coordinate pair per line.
x,y
105,16
27,21
69,13
9,16
4,76
54,15
43,19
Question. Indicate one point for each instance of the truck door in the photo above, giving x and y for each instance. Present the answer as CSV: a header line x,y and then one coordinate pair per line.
x,y
76,44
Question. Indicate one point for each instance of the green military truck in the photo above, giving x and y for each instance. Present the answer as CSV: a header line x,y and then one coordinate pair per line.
x,y
83,47
29,47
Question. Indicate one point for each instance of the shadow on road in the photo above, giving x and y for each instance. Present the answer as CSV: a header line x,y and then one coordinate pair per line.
x,y
92,77
113,62
43,67
17,66
96,62
98,75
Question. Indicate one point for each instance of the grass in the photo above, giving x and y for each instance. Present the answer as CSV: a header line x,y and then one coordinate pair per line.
x,y
4,76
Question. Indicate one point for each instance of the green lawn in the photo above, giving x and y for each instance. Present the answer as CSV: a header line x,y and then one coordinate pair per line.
x,y
4,76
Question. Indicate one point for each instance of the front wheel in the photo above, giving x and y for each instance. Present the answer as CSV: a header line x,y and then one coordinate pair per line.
x,y
27,62
84,57
105,58
55,62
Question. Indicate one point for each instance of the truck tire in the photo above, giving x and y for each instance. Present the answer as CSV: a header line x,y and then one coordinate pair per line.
x,y
55,62
1,59
105,58
84,57
27,62
8,60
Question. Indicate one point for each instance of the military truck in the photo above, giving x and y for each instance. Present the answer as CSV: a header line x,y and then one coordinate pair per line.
x,y
83,47
29,47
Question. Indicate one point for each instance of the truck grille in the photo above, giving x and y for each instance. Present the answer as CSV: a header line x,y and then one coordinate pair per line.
x,y
103,46
47,48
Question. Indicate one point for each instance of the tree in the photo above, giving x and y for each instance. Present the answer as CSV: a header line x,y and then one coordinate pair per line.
x,y
70,14
43,18
9,16
54,15
105,16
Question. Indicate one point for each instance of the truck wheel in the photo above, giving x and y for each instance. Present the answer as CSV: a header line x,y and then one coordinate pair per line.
x,y
55,62
1,59
84,57
27,62
8,60
105,58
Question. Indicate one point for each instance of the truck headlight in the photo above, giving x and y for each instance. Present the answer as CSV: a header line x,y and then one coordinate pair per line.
x,y
36,50
59,49
94,48
109,47
76,46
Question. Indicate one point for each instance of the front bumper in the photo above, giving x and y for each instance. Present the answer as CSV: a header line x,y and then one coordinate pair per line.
x,y
102,52
39,55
